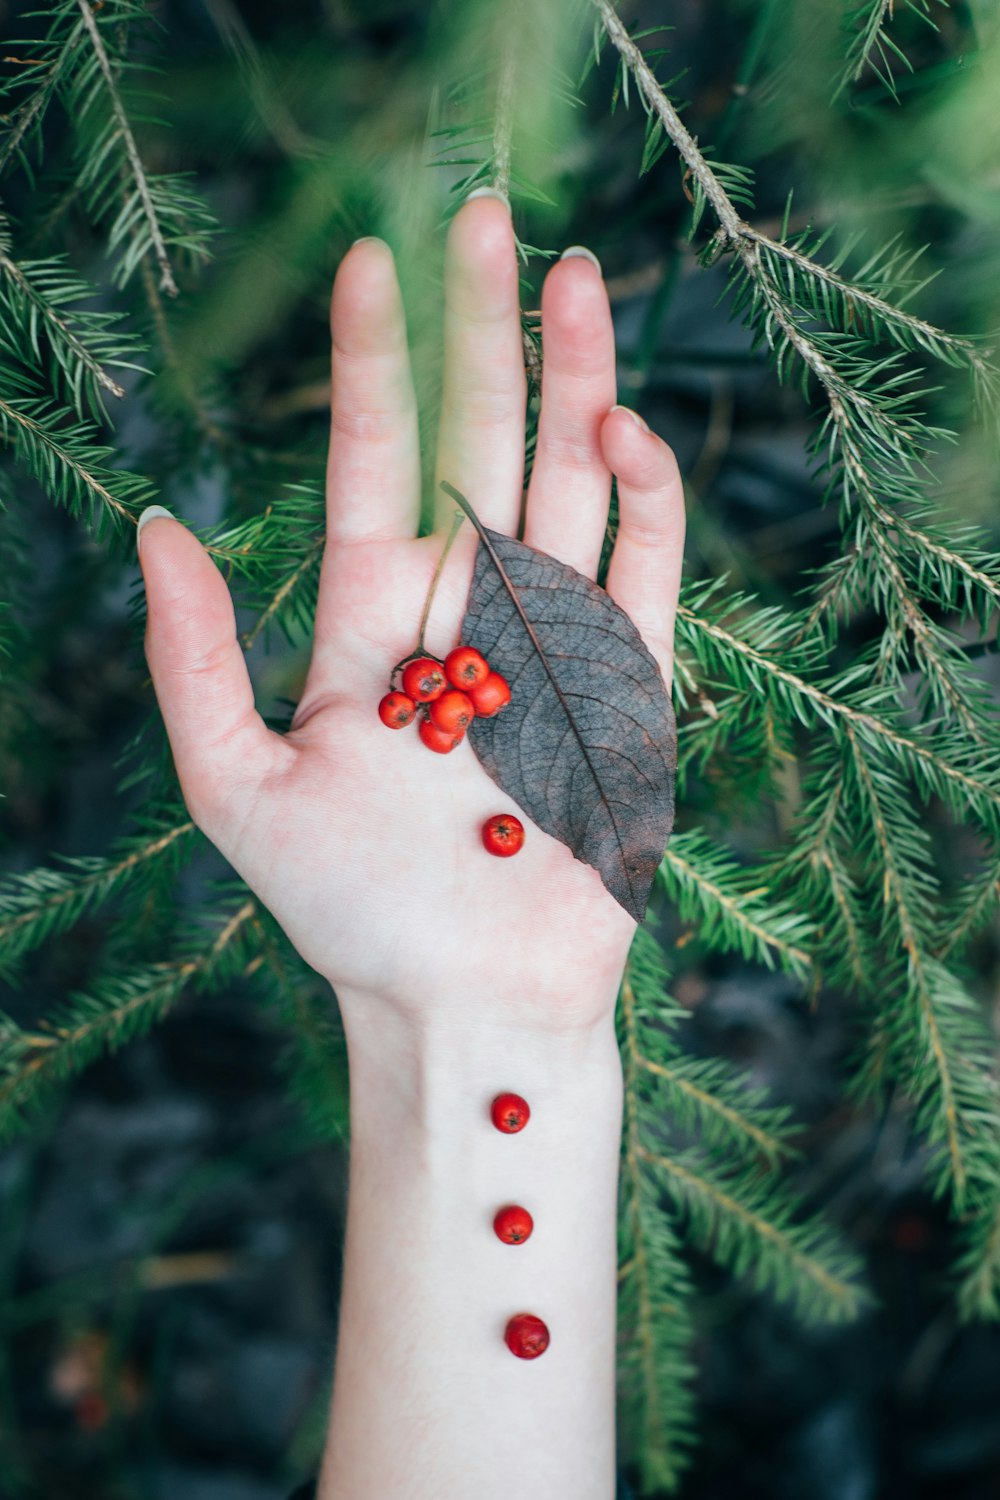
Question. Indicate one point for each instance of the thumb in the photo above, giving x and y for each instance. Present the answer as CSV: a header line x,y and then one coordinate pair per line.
x,y
219,741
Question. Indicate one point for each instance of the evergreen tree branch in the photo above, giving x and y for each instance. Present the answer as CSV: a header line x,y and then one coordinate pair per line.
x,y
60,453
284,592
772,1251
815,852
27,118
138,173
976,909
659,1338
872,44
752,244
978,1267
709,890
831,710
120,1008
943,1060
503,117
703,1095
70,348
872,439
710,1101
315,1057
37,906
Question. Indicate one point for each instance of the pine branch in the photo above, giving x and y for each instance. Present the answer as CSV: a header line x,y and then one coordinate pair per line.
x,y
655,1370
127,140
60,452
120,1008
872,44
26,120
711,894
83,61
739,1223
37,906
30,295
977,904
315,1055
743,1216
815,874
704,1096
655,1298
939,1054
936,772
503,115
978,1267
872,439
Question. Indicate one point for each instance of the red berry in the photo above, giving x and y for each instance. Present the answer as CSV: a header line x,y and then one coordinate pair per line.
x,y
465,667
441,740
503,835
490,695
510,1113
452,711
91,1411
513,1225
526,1336
396,710
423,679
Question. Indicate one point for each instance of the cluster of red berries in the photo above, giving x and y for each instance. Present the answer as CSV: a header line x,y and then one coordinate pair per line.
x,y
451,694
526,1335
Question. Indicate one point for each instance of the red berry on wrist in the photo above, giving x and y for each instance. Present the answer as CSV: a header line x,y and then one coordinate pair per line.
x,y
465,667
452,711
490,695
423,679
510,1113
396,710
513,1224
526,1336
503,835
441,740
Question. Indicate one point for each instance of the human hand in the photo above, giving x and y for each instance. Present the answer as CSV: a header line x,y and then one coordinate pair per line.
x,y
363,844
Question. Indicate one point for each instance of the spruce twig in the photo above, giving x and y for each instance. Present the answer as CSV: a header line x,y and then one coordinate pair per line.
x,y
124,130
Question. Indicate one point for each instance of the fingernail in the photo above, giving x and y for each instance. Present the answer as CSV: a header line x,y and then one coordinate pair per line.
x,y
369,239
634,415
151,513
490,192
583,253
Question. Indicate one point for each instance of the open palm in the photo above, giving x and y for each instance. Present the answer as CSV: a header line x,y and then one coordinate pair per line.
x,y
364,844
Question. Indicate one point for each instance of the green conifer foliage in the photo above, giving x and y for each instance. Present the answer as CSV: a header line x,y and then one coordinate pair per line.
x,y
893,746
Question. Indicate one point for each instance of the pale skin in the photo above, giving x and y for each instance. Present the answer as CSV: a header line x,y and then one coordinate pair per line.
x,y
458,975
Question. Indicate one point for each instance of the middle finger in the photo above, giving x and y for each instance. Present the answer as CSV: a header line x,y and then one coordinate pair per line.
x,y
481,440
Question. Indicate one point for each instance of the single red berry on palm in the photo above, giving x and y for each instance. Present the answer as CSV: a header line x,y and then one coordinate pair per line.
x,y
526,1336
452,711
510,1113
396,710
465,667
503,835
423,679
441,740
513,1224
490,695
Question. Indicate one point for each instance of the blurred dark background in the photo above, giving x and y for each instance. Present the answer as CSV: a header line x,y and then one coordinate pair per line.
x,y
169,1239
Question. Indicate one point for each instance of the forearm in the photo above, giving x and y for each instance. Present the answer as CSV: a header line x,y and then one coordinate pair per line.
x,y
429,1403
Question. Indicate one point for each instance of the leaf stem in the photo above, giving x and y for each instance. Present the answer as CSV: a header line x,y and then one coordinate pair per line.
x,y
456,522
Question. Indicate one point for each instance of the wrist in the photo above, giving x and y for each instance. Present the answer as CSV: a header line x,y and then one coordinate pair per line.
x,y
427,1073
